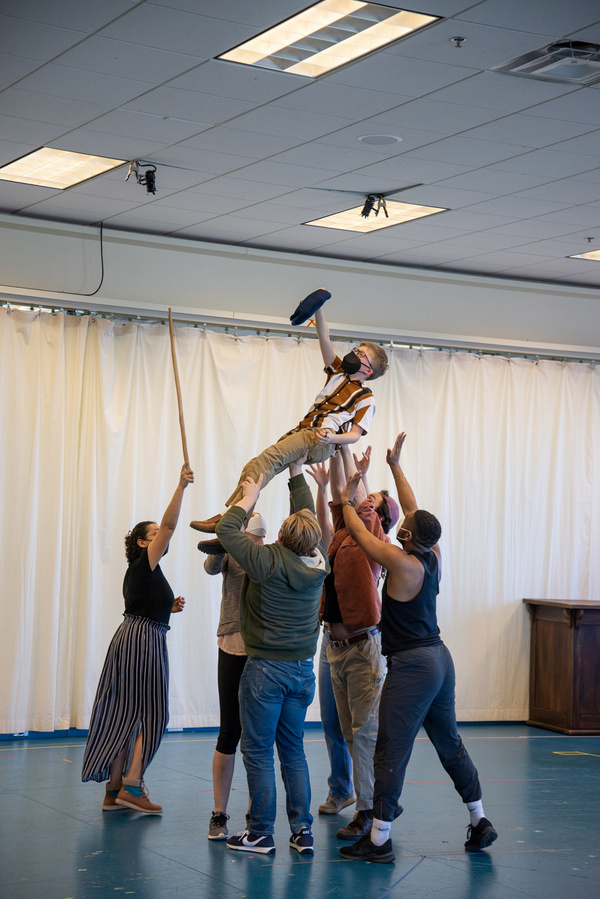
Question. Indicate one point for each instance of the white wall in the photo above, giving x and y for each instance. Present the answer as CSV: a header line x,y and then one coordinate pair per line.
x,y
214,282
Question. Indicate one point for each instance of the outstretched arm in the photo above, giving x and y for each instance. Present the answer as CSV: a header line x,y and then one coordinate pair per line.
x,y
406,496
325,344
383,553
156,548
320,475
351,466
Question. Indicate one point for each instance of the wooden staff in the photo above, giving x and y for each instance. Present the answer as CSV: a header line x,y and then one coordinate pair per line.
x,y
186,458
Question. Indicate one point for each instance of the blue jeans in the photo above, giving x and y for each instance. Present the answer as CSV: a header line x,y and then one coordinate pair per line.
x,y
340,779
274,697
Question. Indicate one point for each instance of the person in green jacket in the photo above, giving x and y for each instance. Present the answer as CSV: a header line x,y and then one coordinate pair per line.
x,y
279,622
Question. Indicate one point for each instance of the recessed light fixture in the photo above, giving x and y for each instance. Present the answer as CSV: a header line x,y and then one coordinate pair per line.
x,y
593,256
379,139
397,214
327,35
48,167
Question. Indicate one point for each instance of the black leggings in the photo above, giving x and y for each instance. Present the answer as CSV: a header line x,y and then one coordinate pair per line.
x,y
229,672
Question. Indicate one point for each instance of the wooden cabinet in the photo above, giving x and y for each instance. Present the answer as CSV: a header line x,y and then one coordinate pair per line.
x,y
564,682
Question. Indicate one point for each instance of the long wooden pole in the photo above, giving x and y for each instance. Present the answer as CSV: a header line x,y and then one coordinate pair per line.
x,y
186,457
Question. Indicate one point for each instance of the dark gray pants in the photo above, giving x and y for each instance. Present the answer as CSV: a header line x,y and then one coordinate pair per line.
x,y
419,691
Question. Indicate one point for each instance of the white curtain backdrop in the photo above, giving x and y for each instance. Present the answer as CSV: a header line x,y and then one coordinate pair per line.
x,y
504,451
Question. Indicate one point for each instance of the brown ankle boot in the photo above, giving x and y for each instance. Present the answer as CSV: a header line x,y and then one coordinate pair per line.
x,y
110,798
133,794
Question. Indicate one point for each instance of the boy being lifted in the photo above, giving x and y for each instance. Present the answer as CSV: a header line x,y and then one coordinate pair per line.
x,y
341,414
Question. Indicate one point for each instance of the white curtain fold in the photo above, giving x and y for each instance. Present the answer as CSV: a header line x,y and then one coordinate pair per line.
x,y
503,451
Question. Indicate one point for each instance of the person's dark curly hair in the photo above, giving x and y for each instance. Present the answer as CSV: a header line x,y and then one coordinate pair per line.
x,y
384,512
426,528
139,532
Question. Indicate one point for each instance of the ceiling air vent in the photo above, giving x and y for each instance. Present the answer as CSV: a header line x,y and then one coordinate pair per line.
x,y
570,62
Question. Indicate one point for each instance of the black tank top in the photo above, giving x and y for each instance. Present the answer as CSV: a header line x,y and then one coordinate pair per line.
x,y
405,625
147,592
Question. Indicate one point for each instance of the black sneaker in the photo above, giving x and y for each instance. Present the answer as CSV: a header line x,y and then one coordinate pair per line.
x,y
358,827
481,835
217,829
366,851
302,841
252,842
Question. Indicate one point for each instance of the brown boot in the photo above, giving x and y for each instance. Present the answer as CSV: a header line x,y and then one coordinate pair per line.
x,y
208,526
358,827
110,798
211,547
133,794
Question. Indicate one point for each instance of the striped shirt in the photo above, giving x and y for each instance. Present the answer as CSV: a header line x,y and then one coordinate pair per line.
x,y
341,403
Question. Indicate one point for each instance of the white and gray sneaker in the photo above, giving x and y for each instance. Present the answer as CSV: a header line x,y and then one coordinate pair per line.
x,y
302,841
252,842
217,829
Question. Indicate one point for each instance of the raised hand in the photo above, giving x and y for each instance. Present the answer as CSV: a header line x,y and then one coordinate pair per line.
x,y
392,456
320,472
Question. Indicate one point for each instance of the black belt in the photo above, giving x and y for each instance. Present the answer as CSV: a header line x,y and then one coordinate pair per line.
x,y
355,638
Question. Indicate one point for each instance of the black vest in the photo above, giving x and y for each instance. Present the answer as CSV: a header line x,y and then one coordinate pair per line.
x,y
405,625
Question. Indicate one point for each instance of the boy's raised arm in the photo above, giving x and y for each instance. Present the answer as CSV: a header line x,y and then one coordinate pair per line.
x,y
325,344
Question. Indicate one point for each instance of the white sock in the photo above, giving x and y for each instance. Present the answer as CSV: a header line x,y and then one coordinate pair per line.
x,y
476,812
380,831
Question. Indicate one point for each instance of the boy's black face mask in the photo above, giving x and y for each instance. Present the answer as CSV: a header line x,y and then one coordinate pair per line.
x,y
351,363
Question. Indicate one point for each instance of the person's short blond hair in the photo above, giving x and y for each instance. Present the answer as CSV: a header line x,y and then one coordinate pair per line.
x,y
378,357
301,533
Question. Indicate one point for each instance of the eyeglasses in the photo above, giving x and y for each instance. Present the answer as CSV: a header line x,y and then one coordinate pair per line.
x,y
363,357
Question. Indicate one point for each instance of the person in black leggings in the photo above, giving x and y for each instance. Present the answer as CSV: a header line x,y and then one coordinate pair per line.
x,y
232,658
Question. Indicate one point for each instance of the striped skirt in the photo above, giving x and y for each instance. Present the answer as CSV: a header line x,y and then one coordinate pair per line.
x,y
132,696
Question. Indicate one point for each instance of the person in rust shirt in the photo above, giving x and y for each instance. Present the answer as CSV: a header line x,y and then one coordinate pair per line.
x,y
351,611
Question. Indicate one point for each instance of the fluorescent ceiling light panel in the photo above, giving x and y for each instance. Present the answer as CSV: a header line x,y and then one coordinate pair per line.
x,y
593,255
352,220
57,168
326,36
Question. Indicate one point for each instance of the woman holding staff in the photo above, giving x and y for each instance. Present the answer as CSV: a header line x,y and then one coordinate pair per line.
x,y
131,709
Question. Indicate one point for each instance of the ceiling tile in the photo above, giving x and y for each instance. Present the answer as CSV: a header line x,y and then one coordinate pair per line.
x,y
483,47
568,192
492,90
155,26
85,17
220,78
200,161
586,145
60,81
335,99
549,163
115,146
431,115
516,207
40,107
27,131
36,41
291,123
557,18
13,68
580,106
145,126
463,150
409,77
126,60
528,131
189,105
320,155
223,139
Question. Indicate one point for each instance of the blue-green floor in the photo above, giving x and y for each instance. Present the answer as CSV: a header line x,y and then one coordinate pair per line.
x,y
541,790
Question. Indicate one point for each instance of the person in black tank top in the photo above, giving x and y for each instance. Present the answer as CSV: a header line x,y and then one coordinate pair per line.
x,y
419,686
